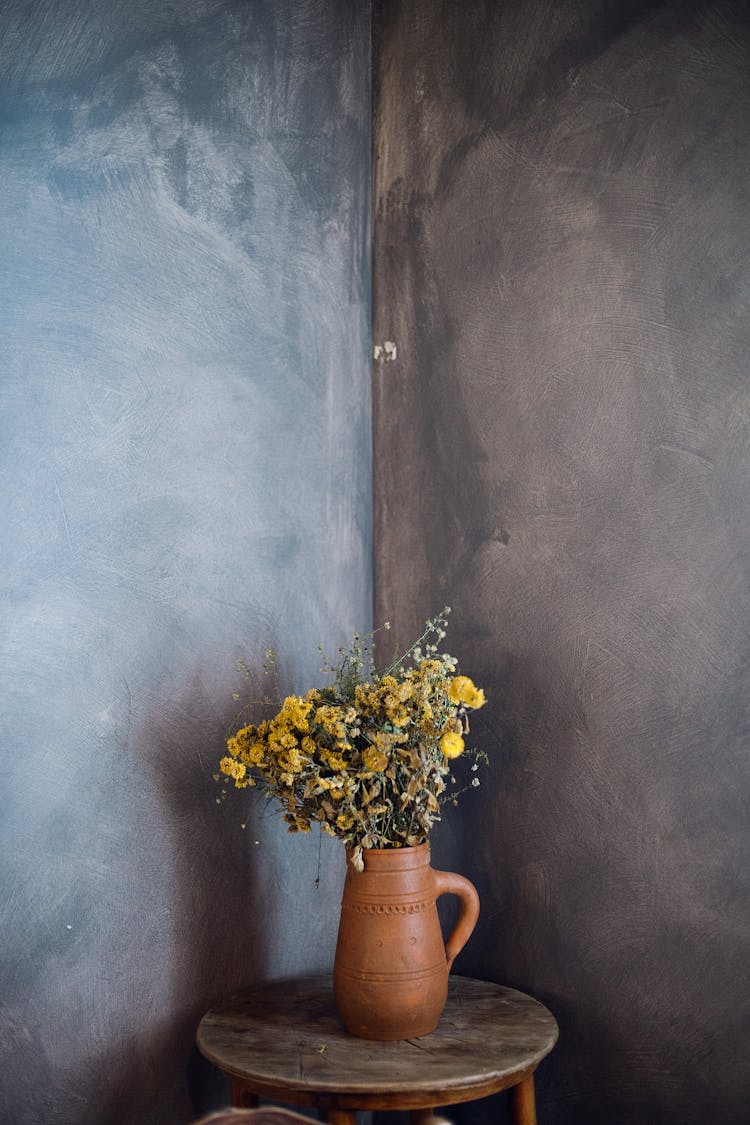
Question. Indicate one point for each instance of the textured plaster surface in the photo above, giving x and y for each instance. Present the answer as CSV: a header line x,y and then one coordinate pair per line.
x,y
562,453
185,480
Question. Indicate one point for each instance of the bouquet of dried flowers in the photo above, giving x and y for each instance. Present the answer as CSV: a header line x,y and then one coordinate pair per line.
x,y
369,757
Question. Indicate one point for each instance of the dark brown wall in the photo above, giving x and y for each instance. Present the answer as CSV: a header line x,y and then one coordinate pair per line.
x,y
562,452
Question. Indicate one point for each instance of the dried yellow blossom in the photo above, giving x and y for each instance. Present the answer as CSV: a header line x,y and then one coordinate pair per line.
x,y
293,762
334,762
452,744
374,759
330,718
295,710
463,690
395,711
232,768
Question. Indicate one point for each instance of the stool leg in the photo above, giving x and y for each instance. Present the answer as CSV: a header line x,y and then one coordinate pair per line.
x,y
341,1116
243,1098
422,1117
522,1102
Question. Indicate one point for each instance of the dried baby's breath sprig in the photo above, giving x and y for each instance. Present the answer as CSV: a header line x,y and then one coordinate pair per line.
x,y
366,757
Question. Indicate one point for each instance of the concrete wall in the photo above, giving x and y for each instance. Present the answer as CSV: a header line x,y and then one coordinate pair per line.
x,y
184,331
562,453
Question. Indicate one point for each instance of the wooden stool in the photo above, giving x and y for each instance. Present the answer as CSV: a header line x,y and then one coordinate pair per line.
x,y
268,1115
284,1041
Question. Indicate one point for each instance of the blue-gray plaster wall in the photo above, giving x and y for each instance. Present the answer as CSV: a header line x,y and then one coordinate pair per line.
x,y
184,327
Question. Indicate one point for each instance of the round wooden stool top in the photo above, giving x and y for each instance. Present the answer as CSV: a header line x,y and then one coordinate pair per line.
x,y
284,1041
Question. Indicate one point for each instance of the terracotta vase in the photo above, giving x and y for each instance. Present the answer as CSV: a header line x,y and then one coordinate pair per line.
x,y
390,976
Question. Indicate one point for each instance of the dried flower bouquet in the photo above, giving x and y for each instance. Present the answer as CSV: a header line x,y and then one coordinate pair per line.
x,y
368,758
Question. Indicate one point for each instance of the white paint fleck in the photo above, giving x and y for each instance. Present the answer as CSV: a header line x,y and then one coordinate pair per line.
x,y
385,352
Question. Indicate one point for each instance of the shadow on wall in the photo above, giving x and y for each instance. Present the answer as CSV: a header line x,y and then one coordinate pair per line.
x,y
524,718
213,935
573,911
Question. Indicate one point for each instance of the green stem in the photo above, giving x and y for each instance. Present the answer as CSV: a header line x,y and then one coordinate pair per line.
x,y
430,627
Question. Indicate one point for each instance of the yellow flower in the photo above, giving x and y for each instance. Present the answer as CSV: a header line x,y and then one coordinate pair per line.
x,y
366,698
295,710
292,762
329,717
334,762
452,744
374,759
280,737
463,690
246,746
344,821
251,755
232,768
297,822
395,711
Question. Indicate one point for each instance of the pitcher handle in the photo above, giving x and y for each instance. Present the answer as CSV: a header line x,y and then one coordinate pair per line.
x,y
447,883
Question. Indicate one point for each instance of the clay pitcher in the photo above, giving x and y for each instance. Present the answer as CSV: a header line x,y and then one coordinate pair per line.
x,y
390,976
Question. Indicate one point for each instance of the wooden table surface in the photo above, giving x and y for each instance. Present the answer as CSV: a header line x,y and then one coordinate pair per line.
x,y
284,1040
